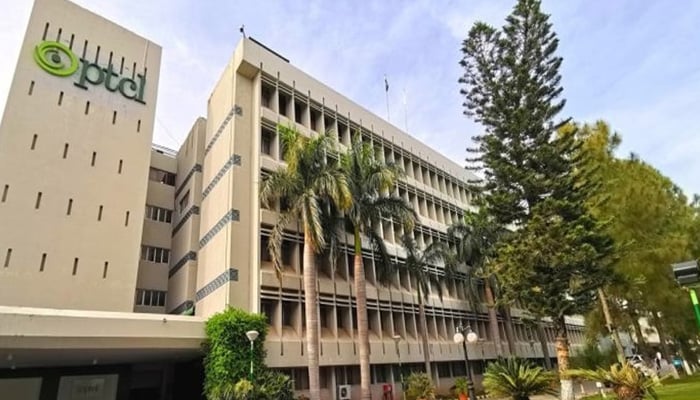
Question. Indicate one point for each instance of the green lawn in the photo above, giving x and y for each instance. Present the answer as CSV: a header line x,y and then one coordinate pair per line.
x,y
687,388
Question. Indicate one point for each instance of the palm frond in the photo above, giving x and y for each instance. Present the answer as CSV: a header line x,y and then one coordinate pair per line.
x,y
274,245
518,379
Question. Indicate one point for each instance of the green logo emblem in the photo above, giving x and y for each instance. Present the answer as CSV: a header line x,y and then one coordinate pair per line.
x,y
56,58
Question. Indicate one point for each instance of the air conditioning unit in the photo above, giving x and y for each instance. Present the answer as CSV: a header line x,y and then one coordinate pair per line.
x,y
343,392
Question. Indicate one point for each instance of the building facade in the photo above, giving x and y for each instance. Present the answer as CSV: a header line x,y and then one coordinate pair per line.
x,y
137,244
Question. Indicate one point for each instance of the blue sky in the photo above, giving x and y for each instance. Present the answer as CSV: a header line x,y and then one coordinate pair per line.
x,y
635,64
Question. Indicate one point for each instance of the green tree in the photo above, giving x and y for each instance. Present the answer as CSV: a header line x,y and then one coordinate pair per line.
x,y
475,239
652,220
534,181
371,183
310,180
418,266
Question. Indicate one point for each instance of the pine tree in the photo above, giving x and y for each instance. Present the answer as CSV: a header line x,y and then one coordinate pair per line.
x,y
535,181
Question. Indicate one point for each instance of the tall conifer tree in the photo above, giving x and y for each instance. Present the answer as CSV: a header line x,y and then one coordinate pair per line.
x,y
535,180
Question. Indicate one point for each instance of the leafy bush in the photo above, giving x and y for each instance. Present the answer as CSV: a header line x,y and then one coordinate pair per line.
x,y
227,350
419,387
242,389
591,357
627,382
461,385
273,385
518,379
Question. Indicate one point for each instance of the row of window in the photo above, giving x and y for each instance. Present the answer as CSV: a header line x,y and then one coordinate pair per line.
x,y
44,259
158,214
424,204
32,84
344,270
287,317
152,298
312,115
155,254
379,373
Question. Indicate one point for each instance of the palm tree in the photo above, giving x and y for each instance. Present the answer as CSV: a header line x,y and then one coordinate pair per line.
x,y
476,239
308,182
417,266
371,183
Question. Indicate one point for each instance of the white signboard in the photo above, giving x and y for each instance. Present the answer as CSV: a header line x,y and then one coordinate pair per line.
x,y
88,387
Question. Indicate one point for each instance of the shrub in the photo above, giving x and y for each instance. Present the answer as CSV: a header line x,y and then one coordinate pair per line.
x,y
419,387
591,357
627,382
461,385
243,389
518,379
273,385
227,358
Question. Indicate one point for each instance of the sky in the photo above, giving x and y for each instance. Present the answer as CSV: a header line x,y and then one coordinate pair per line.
x,y
632,63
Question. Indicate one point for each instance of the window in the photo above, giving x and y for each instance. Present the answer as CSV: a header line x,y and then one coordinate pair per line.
x,y
155,254
283,100
266,140
184,202
159,214
266,93
267,308
151,298
158,175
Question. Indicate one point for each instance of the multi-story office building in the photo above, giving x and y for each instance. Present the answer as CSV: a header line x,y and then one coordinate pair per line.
x,y
115,251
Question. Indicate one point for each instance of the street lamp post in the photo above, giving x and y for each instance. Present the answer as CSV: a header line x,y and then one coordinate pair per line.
x,y
252,335
397,339
471,338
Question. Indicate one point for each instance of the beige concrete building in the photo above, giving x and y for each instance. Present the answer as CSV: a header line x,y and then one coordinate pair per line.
x,y
115,251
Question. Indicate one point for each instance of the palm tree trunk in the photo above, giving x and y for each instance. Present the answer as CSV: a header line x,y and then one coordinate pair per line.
x,y
611,326
312,325
362,323
493,318
510,335
424,332
562,343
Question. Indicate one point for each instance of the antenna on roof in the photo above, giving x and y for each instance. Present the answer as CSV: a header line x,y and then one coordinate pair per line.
x,y
242,30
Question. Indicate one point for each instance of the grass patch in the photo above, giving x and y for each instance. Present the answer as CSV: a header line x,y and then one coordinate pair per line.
x,y
687,388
